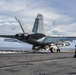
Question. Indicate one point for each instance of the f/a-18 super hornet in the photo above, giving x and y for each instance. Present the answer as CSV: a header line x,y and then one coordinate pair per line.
x,y
37,37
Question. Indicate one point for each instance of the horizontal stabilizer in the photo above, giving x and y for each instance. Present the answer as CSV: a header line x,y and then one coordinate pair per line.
x,y
8,36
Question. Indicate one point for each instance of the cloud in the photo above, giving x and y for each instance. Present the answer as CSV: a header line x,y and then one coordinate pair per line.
x,y
59,17
55,21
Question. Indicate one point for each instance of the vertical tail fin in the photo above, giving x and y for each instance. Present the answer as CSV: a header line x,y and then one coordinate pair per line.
x,y
20,24
39,25
24,29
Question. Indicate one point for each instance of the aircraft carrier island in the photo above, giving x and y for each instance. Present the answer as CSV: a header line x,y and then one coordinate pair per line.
x,y
38,63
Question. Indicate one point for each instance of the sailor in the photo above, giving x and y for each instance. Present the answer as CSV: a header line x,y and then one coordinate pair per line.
x,y
75,52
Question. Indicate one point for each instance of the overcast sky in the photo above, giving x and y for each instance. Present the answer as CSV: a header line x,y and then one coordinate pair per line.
x,y
59,15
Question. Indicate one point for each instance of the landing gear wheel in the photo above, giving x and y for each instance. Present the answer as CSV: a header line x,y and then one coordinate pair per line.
x,y
58,50
51,50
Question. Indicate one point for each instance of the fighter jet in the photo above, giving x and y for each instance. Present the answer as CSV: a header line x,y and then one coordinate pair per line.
x,y
37,37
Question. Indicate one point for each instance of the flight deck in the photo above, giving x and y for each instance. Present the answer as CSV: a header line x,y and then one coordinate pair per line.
x,y
38,63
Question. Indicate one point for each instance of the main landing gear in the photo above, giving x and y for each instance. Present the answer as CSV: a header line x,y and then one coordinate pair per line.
x,y
47,47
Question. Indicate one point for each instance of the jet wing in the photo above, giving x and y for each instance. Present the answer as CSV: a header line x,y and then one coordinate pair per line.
x,y
51,39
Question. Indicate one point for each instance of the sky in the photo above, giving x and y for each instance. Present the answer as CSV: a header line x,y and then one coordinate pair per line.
x,y
59,16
